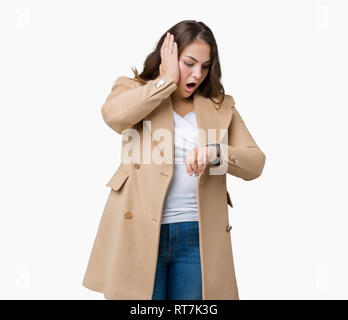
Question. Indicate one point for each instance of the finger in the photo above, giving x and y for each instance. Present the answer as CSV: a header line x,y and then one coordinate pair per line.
x,y
175,49
170,43
171,40
193,160
167,42
204,158
164,44
201,159
195,168
188,165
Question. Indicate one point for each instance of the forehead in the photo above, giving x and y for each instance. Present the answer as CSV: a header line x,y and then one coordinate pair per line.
x,y
199,50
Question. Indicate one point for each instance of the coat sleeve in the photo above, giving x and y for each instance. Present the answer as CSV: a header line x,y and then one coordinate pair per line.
x,y
128,103
243,156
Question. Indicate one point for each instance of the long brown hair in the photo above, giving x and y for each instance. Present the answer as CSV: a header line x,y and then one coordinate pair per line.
x,y
185,33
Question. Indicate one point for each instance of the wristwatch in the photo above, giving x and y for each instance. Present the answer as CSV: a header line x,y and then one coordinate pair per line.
x,y
215,162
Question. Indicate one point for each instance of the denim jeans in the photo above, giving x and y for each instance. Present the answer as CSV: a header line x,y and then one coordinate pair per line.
x,y
178,271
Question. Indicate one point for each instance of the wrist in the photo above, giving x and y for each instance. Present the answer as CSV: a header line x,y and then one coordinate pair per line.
x,y
168,77
214,158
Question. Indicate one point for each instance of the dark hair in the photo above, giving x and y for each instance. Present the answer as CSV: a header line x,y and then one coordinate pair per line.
x,y
185,33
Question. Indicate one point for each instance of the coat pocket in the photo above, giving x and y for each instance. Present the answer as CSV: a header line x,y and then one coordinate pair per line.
x,y
118,179
229,201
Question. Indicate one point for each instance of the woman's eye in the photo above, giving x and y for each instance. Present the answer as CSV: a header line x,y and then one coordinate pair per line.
x,y
190,65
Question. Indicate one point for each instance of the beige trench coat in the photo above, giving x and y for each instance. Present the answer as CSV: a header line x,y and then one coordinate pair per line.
x,y
122,264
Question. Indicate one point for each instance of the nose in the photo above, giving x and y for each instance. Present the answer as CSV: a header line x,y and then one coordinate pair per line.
x,y
197,73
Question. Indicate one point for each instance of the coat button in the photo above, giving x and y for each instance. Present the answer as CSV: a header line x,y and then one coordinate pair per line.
x,y
160,83
136,165
128,215
228,228
233,160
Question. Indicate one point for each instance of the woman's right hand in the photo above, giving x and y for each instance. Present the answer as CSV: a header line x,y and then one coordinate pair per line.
x,y
169,58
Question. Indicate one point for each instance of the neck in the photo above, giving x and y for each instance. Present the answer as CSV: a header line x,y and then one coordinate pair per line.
x,y
177,99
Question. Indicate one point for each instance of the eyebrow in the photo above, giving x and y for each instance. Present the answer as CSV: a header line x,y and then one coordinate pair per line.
x,y
197,60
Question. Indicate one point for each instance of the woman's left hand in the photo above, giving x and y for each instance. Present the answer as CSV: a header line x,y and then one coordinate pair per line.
x,y
198,158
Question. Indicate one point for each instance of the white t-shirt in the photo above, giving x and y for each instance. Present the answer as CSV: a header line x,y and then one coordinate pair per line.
x,y
181,201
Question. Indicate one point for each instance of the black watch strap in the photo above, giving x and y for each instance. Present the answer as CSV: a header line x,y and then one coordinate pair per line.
x,y
218,158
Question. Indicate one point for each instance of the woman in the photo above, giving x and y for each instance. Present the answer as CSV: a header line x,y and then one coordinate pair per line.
x,y
164,232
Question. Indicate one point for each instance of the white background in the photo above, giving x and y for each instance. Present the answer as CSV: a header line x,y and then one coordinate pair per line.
x,y
285,64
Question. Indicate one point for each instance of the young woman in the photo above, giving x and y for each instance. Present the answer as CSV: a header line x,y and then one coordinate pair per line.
x,y
164,232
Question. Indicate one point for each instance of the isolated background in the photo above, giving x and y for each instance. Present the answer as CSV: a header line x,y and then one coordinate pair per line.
x,y
285,64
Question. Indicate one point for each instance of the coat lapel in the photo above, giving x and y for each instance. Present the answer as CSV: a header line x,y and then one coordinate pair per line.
x,y
210,120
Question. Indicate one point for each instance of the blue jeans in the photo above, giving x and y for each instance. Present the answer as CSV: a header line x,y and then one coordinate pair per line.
x,y
178,271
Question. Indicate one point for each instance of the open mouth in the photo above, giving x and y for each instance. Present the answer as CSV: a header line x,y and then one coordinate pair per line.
x,y
191,85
